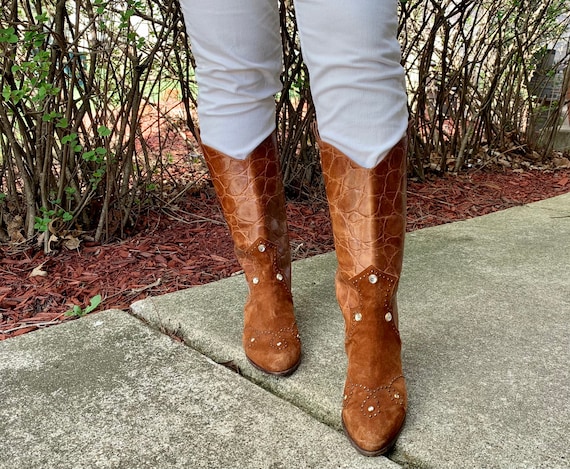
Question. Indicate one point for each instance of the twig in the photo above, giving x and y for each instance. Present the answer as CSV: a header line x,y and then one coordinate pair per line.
x,y
152,285
199,217
37,324
188,186
430,198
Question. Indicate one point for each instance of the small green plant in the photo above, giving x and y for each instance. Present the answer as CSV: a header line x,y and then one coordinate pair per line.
x,y
42,223
77,311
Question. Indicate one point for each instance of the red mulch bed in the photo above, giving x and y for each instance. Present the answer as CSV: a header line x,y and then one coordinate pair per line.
x,y
191,246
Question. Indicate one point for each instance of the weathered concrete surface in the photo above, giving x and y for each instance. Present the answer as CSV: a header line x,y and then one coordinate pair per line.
x,y
107,391
484,319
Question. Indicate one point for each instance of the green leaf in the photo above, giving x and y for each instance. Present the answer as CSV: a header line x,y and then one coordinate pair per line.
x,y
76,311
41,224
6,92
79,312
62,124
95,301
104,131
101,5
68,138
8,35
50,116
89,155
67,216
42,93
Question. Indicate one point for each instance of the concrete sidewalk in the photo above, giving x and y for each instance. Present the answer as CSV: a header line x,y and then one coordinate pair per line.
x,y
485,310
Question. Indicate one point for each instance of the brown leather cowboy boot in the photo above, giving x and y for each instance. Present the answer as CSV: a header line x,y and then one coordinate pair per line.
x,y
253,201
367,209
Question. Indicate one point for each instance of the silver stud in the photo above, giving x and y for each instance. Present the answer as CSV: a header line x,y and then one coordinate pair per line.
x,y
371,408
373,279
255,280
261,248
279,277
388,317
358,317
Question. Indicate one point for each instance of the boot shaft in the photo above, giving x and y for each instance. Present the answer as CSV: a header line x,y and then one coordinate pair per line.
x,y
368,210
252,197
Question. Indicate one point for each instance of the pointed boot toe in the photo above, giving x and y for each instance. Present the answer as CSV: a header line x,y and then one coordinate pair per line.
x,y
373,418
274,353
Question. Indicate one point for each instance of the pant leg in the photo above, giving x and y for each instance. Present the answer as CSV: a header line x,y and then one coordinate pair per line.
x,y
237,47
357,82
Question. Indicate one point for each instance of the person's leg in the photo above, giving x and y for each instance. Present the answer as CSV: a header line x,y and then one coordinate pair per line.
x,y
238,56
357,82
237,48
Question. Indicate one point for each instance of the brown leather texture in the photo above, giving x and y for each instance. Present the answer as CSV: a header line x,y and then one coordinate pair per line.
x,y
368,213
253,201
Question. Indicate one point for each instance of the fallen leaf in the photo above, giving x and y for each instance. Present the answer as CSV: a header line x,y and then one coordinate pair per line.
x,y
13,227
561,162
52,239
41,237
71,243
38,272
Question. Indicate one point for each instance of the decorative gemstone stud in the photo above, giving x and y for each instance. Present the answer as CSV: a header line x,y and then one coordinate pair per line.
x,y
397,396
388,317
255,280
279,277
261,248
279,344
252,339
358,317
373,279
371,408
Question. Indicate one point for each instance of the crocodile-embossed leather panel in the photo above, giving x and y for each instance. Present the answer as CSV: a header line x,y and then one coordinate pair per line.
x,y
252,198
369,208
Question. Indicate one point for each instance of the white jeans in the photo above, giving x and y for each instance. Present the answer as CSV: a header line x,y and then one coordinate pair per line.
x,y
351,51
